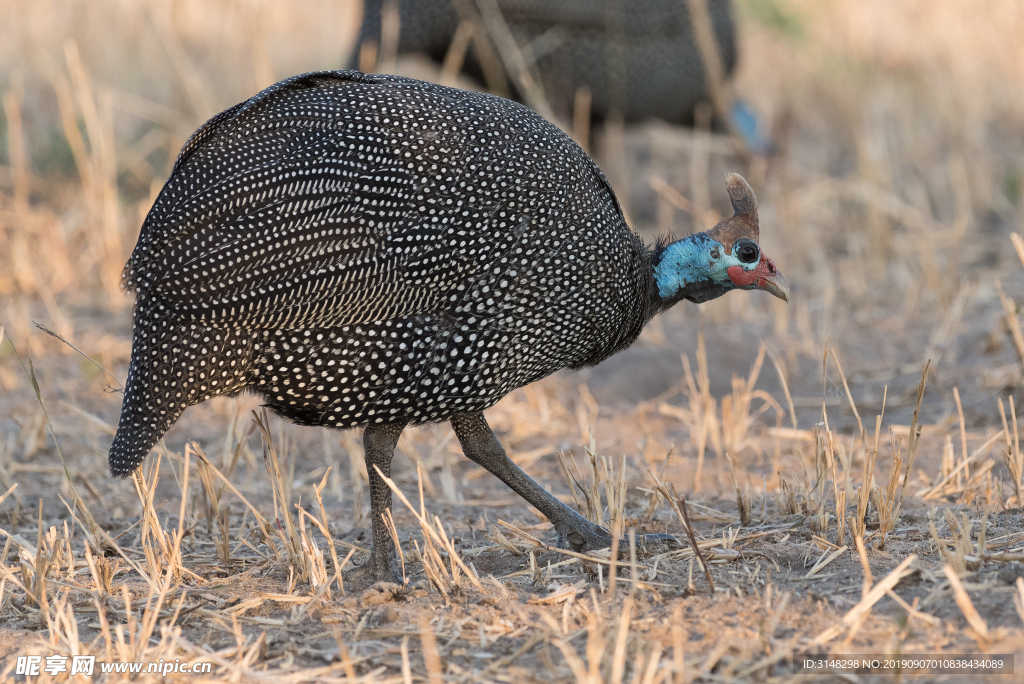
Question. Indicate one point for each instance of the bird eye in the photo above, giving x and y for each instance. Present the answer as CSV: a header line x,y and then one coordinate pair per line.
x,y
747,252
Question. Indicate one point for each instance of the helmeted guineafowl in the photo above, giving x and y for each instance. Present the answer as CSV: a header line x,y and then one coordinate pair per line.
x,y
363,250
600,44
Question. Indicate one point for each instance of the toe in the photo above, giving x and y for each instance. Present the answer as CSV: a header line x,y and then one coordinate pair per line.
x,y
363,571
653,539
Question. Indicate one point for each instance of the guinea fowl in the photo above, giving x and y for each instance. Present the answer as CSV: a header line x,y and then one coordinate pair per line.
x,y
597,44
374,251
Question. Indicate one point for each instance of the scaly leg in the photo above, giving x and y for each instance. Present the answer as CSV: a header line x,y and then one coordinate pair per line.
x,y
379,448
482,447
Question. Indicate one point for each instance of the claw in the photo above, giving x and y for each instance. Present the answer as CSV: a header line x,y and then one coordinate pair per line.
x,y
368,571
593,537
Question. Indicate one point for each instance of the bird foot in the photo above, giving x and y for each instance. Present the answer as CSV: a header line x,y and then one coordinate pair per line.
x,y
658,538
382,572
579,534
581,537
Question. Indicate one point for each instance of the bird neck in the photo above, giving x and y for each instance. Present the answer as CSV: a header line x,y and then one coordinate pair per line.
x,y
680,271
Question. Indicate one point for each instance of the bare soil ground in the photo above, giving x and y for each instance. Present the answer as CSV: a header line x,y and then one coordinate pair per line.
x,y
890,200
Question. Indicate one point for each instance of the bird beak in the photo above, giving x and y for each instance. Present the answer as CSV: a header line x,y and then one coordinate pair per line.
x,y
776,285
770,279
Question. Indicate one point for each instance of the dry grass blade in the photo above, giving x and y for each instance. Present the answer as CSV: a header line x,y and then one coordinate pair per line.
x,y
840,497
886,500
868,579
431,657
513,60
1012,457
393,531
431,534
613,557
824,467
743,501
81,353
590,507
281,494
496,536
215,515
710,57
914,433
963,601
170,543
8,492
581,117
456,54
583,672
666,191
701,414
406,667
868,476
849,395
963,557
913,612
693,543
655,494
614,486
669,493
789,403
619,654
314,563
325,528
781,653
1018,245
859,611
260,520
1012,320
738,414
820,565
963,428
592,558
559,595
390,28
939,487
1018,598
33,381
490,61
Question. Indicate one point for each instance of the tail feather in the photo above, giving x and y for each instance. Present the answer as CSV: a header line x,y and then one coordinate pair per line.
x,y
145,417
173,366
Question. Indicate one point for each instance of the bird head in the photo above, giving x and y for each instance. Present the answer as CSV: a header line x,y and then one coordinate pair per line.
x,y
727,257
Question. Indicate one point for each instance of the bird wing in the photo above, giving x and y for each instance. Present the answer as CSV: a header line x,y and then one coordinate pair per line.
x,y
314,204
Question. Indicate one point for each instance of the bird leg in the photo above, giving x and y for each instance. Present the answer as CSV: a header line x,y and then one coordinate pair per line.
x,y
482,447
379,448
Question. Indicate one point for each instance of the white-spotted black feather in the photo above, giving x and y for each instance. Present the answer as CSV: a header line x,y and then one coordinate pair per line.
x,y
361,249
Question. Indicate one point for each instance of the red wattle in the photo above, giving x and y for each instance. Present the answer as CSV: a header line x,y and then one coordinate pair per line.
x,y
743,278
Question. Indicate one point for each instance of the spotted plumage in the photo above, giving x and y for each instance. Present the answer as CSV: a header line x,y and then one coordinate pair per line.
x,y
376,251
638,58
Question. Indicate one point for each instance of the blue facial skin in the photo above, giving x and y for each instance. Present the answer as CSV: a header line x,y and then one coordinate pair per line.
x,y
696,259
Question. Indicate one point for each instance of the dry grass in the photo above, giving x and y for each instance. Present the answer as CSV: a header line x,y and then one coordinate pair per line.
x,y
892,201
